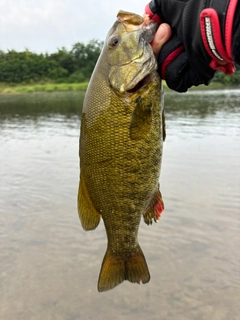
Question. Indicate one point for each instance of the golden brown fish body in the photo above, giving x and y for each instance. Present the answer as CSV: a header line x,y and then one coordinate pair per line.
x,y
121,148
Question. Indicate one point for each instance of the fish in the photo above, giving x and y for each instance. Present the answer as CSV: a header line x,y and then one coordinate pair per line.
x,y
121,139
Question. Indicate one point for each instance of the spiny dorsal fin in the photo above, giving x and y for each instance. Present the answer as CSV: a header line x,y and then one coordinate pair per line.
x,y
155,208
163,126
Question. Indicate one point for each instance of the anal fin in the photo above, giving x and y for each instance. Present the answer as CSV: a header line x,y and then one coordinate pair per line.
x,y
88,215
155,208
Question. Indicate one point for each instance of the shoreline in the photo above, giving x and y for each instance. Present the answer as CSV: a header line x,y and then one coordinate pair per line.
x,y
61,87
42,87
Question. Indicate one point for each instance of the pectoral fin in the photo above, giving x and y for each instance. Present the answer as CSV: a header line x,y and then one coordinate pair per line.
x,y
155,208
141,119
88,215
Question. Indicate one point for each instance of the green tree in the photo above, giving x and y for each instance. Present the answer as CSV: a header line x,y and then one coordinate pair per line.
x,y
85,56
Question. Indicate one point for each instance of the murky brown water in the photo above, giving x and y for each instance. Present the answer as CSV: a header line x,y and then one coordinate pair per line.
x,y
49,266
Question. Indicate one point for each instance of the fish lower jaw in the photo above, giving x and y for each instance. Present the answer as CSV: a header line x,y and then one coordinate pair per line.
x,y
142,83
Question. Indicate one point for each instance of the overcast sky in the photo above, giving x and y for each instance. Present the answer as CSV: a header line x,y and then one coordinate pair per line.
x,y
46,25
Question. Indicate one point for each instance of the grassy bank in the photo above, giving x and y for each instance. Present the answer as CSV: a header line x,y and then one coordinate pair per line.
x,y
53,87
47,87
212,86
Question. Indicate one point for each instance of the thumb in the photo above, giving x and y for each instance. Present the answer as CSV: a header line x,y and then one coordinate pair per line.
x,y
161,36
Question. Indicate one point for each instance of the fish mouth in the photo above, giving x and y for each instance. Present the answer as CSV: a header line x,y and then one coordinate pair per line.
x,y
149,28
132,73
142,83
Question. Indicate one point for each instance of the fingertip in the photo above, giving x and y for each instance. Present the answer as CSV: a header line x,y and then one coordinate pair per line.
x,y
162,35
167,28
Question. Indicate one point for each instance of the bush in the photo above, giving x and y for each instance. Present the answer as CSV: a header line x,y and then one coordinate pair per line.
x,y
76,77
58,74
63,66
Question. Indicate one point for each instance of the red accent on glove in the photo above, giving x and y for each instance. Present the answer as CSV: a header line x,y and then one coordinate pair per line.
x,y
211,35
152,15
173,55
229,25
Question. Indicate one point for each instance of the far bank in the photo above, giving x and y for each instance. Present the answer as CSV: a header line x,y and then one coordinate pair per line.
x,y
55,87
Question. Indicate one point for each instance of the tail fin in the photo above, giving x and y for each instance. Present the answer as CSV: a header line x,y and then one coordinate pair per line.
x,y
116,269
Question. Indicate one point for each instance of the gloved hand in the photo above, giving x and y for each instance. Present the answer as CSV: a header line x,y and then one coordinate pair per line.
x,y
201,42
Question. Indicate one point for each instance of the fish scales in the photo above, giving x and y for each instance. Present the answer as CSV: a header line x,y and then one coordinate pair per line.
x,y
120,157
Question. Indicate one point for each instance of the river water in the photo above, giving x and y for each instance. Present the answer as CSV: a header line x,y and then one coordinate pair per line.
x,y
49,266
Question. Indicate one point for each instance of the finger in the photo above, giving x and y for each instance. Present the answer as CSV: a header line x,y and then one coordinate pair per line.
x,y
179,75
162,35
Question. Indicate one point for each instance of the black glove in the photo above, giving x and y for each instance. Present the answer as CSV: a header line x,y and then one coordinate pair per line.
x,y
201,42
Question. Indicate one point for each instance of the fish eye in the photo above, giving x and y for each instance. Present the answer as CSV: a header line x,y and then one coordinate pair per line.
x,y
113,42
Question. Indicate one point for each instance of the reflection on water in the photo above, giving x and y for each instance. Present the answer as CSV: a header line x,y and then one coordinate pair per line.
x,y
49,266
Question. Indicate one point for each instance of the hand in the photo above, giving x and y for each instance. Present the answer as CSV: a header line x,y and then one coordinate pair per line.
x,y
200,44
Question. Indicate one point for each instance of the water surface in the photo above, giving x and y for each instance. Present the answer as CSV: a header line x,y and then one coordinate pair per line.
x,y
49,266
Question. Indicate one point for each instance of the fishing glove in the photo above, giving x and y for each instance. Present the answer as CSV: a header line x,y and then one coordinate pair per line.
x,y
201,42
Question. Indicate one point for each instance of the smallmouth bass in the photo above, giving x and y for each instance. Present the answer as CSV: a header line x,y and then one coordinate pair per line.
x,y
122,133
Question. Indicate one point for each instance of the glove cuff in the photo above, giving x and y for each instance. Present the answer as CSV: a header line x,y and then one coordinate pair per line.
x,y
219,48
